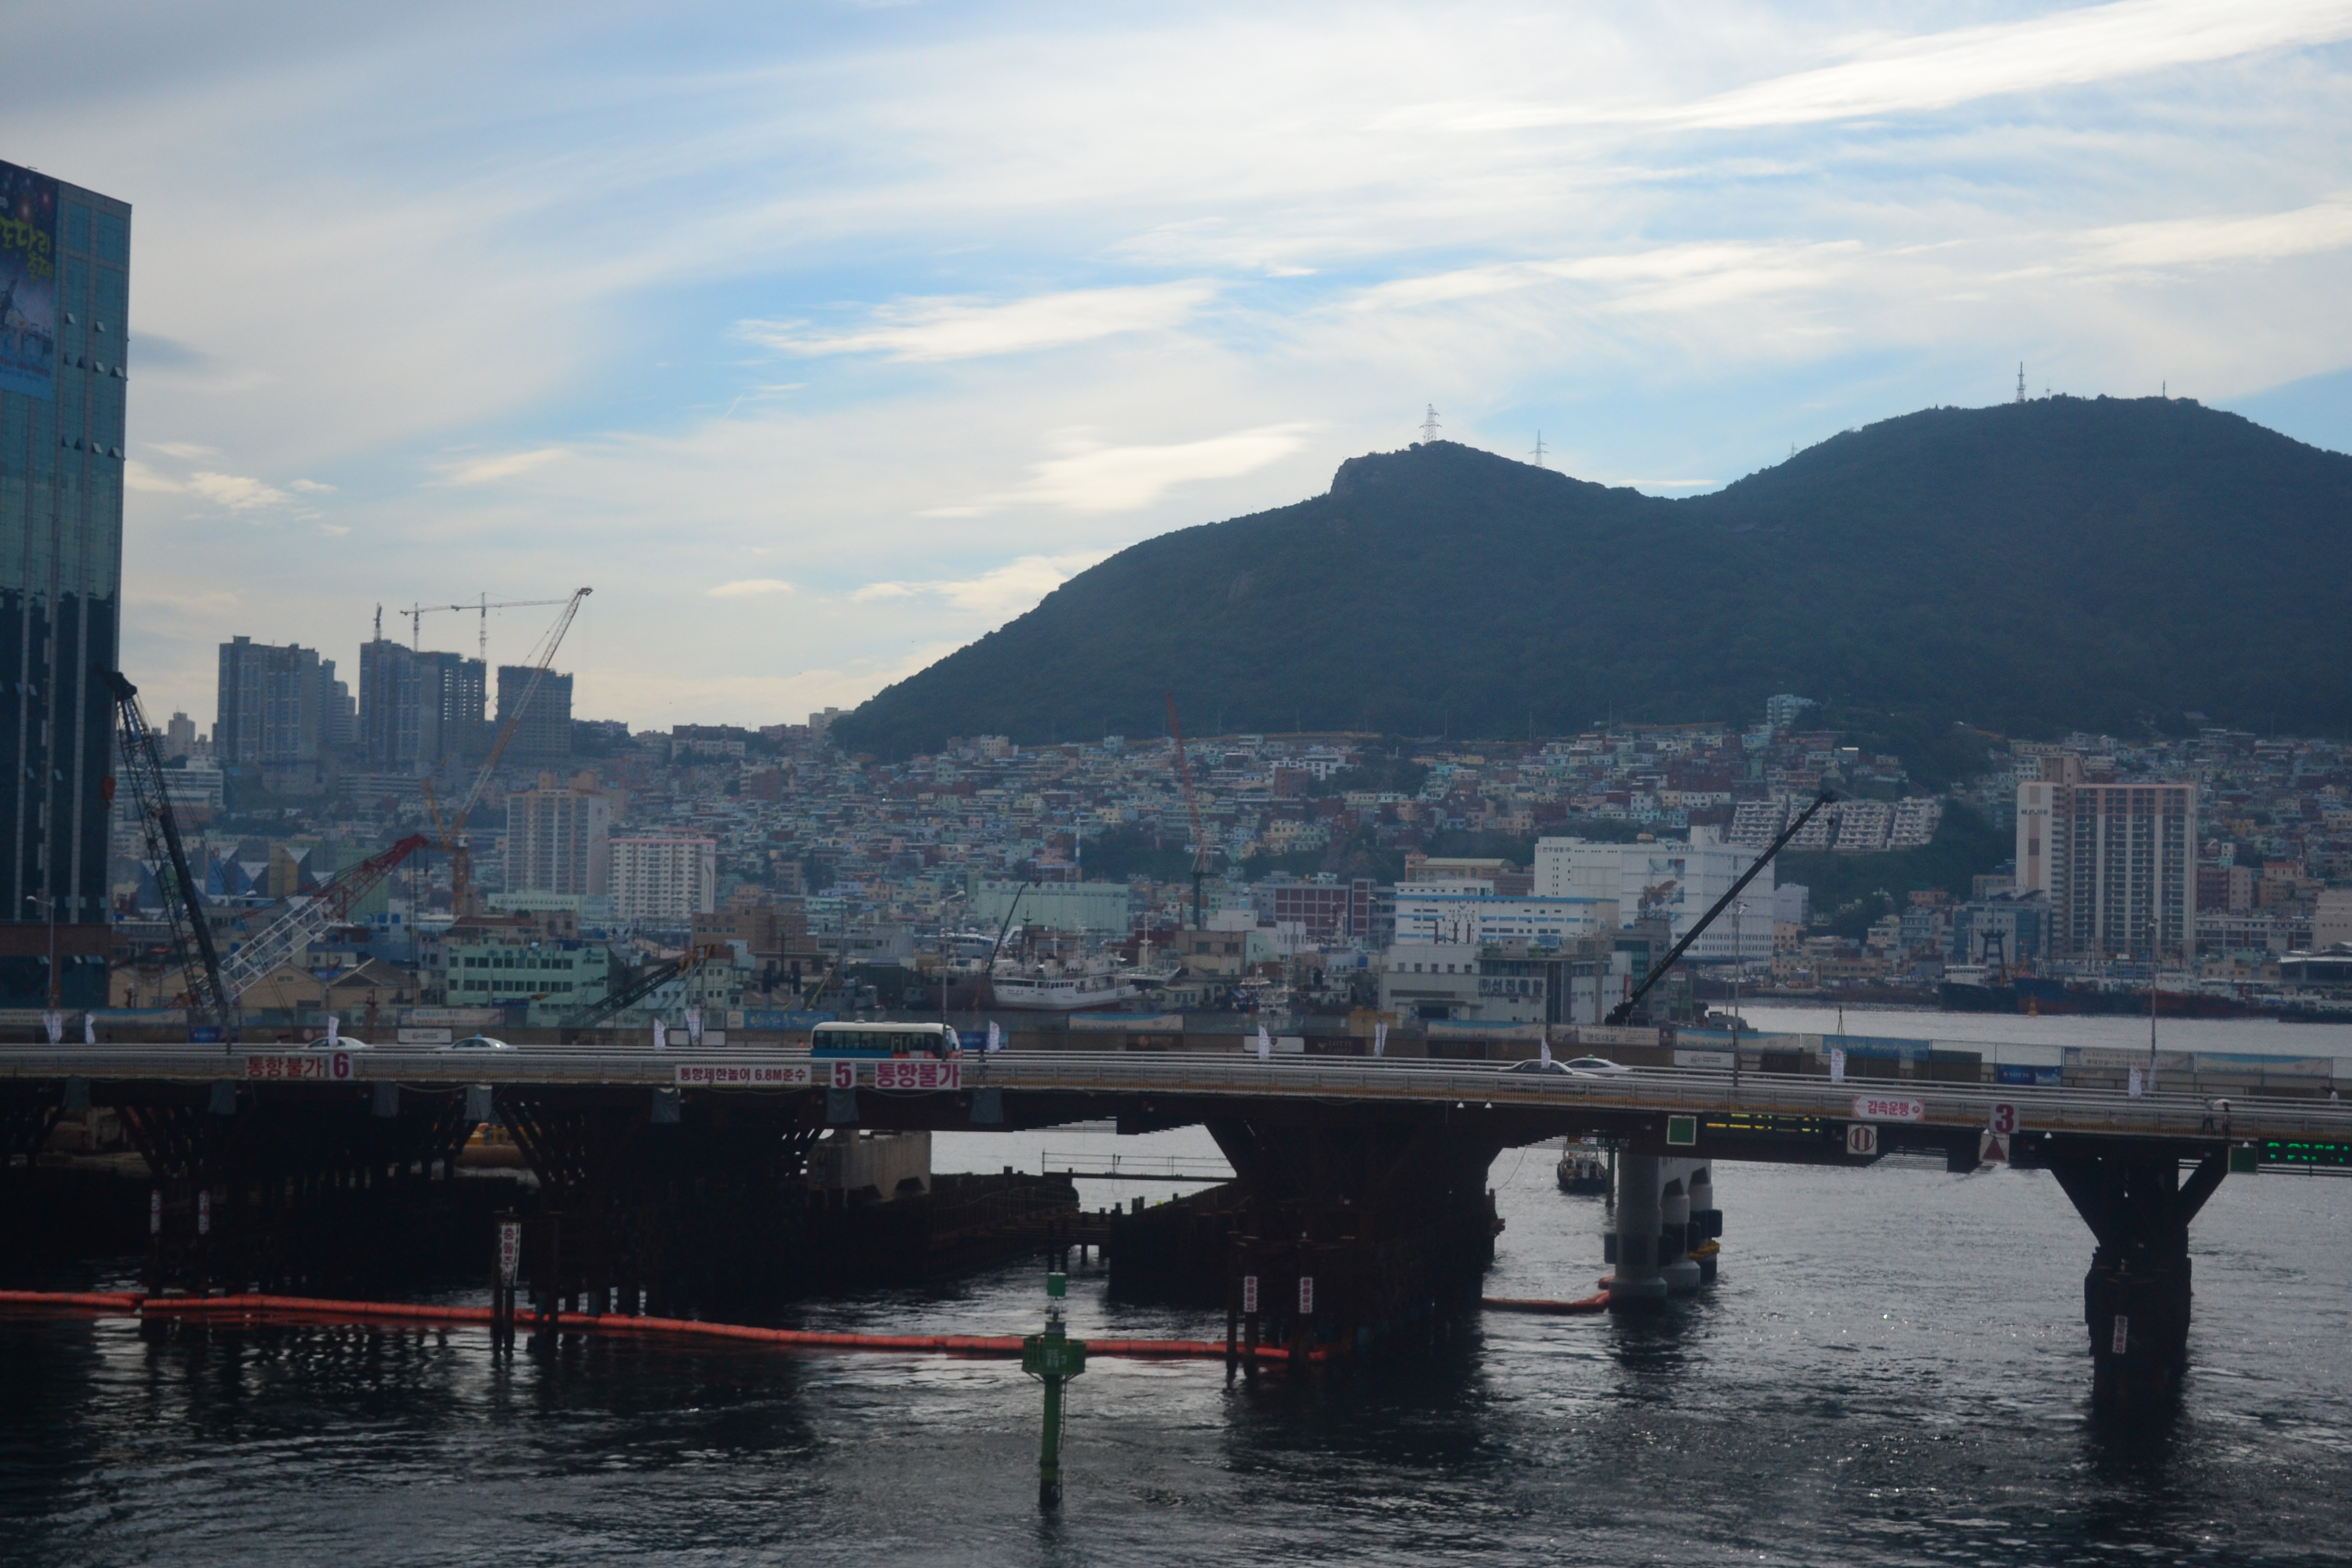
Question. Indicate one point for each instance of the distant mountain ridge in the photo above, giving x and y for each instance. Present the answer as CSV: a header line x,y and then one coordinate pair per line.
x,y
2028,568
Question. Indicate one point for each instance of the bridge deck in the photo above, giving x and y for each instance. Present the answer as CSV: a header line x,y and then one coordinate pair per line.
x,y
1345,1082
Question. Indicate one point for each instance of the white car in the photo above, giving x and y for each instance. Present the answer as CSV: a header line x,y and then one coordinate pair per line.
x,y
339,1043
477,1042
1595,1067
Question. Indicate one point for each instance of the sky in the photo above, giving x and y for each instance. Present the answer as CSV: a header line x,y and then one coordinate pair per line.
x,y
822,338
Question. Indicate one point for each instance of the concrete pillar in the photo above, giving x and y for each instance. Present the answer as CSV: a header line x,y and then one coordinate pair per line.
x,y
1706,1219
1636,1282
1674,1264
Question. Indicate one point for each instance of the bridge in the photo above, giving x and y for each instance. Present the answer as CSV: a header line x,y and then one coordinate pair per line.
x,y
1360,1189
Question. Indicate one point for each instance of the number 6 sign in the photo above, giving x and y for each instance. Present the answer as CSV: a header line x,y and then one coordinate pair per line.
x,y
2003,1119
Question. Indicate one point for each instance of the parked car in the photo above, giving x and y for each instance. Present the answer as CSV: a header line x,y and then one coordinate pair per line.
x,y
479,1043
1595,1067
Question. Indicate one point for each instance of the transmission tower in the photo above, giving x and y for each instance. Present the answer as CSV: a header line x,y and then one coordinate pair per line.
x,y
2021,381
1429,425
1539,449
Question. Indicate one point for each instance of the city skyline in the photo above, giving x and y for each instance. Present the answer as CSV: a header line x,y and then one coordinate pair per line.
x,y
846,336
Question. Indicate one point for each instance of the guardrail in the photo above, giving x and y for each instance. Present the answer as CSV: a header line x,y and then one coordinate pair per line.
x,y
1350,1079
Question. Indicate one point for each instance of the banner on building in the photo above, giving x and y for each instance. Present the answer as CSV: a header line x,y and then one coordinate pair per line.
x,y
28,283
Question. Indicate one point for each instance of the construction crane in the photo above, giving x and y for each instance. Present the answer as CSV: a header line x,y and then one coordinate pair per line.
x,y
483,606
453,833
1623,1011
304,919
208,998
646,985
1200,839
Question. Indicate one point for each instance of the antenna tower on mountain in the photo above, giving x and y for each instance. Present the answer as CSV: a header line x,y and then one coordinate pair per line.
x,y
1539,449
1429,425
2021,381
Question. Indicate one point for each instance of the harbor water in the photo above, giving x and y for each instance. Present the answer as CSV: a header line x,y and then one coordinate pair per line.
x,y
1891,1370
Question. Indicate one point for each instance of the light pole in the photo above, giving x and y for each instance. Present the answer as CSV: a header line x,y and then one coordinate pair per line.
x,y
49,907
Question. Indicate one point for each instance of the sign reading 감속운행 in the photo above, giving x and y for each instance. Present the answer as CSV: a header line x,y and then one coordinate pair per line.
x,y
1887,1108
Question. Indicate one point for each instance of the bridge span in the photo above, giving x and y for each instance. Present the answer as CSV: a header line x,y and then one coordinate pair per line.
x,y
1361,1183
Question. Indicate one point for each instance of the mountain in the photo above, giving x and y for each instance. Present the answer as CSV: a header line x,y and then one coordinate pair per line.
x,y
2029,568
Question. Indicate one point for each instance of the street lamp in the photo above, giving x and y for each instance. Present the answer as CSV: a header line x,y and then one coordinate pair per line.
x,y
49,905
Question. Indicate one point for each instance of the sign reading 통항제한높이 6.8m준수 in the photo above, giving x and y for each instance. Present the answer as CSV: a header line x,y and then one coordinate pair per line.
x,y
28,283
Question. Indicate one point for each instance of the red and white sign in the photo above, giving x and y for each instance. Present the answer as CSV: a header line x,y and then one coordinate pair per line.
x,y
2002,1121
509,1249
917,1073
1249,1284
845,1074
2123,1335
312,1066
1306,1294
1889,1107
769,1075
1860,1141
1991,1148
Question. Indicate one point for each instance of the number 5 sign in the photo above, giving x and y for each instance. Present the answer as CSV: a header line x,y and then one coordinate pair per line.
x,y
2002,1121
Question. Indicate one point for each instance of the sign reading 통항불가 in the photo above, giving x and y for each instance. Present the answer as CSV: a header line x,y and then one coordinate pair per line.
x,y
309,1065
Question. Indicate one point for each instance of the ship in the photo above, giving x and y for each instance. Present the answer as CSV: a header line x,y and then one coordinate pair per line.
x,y
1970,989
1584,1167
1042,988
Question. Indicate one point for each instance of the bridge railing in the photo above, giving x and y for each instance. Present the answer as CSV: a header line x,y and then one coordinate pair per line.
x,y
1352,1080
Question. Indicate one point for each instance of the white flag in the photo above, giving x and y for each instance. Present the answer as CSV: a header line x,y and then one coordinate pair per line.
x,y
661,1035
1544,1054
995,1037
55,1022
1265,1045
1837,1065
90,1028
1379,1039
694,1026
334,1028
2134,1083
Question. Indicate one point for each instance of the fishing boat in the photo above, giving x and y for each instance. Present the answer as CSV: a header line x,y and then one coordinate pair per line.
x,y
1584,1167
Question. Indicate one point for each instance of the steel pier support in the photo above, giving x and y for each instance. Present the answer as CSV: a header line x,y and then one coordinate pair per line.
x,y
2136,1299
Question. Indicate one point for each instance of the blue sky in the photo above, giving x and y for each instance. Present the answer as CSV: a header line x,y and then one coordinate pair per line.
x,y
822,338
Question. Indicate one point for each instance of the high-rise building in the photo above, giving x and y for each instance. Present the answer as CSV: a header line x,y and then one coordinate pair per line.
x,y
1677,882
665,879
277,705
545,732
178,737
2118,861
557,839
65,283
417,709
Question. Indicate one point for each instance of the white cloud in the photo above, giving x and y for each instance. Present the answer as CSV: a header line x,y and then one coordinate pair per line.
x,y
1126,478
311,488
749,588
996,596
499,465
2090,44
936,329
236,491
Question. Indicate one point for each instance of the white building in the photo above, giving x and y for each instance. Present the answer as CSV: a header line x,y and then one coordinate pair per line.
x,y
1442,915
2118,861
1680,881
665,879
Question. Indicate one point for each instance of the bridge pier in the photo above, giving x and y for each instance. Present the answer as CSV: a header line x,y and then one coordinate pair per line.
x,y
2136,1298
1360,1233
1641,1184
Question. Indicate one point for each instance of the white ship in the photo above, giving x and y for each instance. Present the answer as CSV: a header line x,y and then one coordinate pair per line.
x,y
1037,988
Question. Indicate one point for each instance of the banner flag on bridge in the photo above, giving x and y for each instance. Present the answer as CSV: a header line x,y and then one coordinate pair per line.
x,y
1265,1044
1837,1066
1379,1039
995,1037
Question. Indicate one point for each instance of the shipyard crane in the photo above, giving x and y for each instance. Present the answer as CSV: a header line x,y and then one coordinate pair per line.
x,y
208,998
453,833
646,985
1200,839
483,606
304,918
1623,1011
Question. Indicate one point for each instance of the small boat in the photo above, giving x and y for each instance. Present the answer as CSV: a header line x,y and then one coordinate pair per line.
x,y
1584,1168
1037,988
